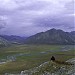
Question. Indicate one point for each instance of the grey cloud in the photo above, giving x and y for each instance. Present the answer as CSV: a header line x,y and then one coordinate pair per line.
x,y
70,7
61,22
39,5
29,17
2,24
1,27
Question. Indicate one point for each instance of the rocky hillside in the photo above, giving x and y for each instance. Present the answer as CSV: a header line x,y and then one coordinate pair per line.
x,y
50,68
3,42
52,36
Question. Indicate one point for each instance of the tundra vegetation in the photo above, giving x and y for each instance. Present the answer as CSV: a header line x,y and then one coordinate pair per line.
x,y
17,58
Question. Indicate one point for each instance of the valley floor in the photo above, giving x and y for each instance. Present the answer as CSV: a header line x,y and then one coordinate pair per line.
x,y
16,59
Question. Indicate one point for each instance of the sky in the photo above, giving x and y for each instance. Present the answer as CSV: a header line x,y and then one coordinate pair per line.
x,y
28,17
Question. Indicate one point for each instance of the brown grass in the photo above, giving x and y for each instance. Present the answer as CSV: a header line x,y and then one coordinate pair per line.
x,y
63,62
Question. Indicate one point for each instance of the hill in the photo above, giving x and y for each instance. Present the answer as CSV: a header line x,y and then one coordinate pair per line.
x,y
3,42
50,68
52,36
6,40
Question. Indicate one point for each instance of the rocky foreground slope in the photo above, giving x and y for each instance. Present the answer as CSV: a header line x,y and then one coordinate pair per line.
x,y
50,68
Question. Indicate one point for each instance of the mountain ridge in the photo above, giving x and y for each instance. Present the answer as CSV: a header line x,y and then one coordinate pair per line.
x,y
52,36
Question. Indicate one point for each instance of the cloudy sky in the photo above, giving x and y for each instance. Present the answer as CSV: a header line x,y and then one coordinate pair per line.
x,y
28,17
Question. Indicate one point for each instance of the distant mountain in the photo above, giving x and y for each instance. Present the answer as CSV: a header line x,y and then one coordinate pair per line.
x,y
52,36
13,39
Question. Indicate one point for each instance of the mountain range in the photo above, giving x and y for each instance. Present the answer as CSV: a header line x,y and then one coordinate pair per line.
x,y
13,38
52,36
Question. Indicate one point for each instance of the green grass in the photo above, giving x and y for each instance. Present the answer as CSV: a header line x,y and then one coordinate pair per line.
x,y
34,57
